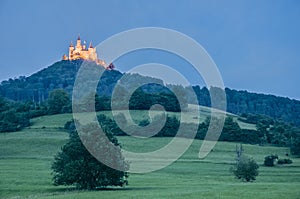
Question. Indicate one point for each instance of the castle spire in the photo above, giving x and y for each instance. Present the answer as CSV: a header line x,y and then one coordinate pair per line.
x,y
78,44
71,44
90,46
84,45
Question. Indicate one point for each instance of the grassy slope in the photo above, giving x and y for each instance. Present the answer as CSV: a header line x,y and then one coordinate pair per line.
x,y
26,156
59,120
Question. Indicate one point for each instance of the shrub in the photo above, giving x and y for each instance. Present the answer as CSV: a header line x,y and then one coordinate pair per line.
x,y
170,128
245,169
70,126
288,161
144,122
269,160
285,161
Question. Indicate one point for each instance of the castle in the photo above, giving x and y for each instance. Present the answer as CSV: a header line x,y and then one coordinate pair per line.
x,y
82,52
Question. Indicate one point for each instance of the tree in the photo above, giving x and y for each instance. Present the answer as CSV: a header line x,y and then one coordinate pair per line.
x,y
180,92
102,103
246,167
3,104
13,116
231,130
170,128
295,143
202,129
74,165
59,102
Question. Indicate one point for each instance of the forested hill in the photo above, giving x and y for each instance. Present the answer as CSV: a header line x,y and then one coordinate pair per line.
x,y
62,75
239,102
59,75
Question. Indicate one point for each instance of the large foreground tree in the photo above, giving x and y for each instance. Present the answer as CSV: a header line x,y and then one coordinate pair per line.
x,y
74,165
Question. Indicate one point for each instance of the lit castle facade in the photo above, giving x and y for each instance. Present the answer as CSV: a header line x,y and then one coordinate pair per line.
x,y
80,51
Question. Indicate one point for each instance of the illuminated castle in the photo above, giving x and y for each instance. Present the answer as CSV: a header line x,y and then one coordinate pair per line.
x,y
82,52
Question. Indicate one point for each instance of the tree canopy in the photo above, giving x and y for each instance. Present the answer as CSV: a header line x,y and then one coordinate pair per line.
x,y
74,165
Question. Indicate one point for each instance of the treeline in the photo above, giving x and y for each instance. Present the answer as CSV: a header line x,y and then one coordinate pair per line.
x,y
13,116
267,132
239,102
143,100
16,115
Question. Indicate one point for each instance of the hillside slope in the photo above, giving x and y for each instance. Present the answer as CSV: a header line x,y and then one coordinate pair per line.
x,y
62,75
53,121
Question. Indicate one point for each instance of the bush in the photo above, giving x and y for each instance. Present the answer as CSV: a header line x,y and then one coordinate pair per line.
x,y
245,169
144,122
11,120
269,160
285,161
170,128
70,126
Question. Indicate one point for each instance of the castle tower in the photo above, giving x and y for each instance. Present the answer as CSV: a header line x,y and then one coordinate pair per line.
x,y
78,44
71,49
64,57
92,52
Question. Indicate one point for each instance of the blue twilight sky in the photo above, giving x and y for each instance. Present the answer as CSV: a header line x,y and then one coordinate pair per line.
x,y
255,44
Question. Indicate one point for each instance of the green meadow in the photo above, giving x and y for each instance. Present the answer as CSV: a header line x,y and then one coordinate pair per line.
x,y
26,157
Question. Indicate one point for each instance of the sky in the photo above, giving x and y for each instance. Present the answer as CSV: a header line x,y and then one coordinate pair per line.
x,y
255,44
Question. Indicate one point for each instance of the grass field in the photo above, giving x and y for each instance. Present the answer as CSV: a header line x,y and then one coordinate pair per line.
x,y
26,157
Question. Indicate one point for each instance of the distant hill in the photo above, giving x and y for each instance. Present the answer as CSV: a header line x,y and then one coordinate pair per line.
x,y
62,74
239,102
